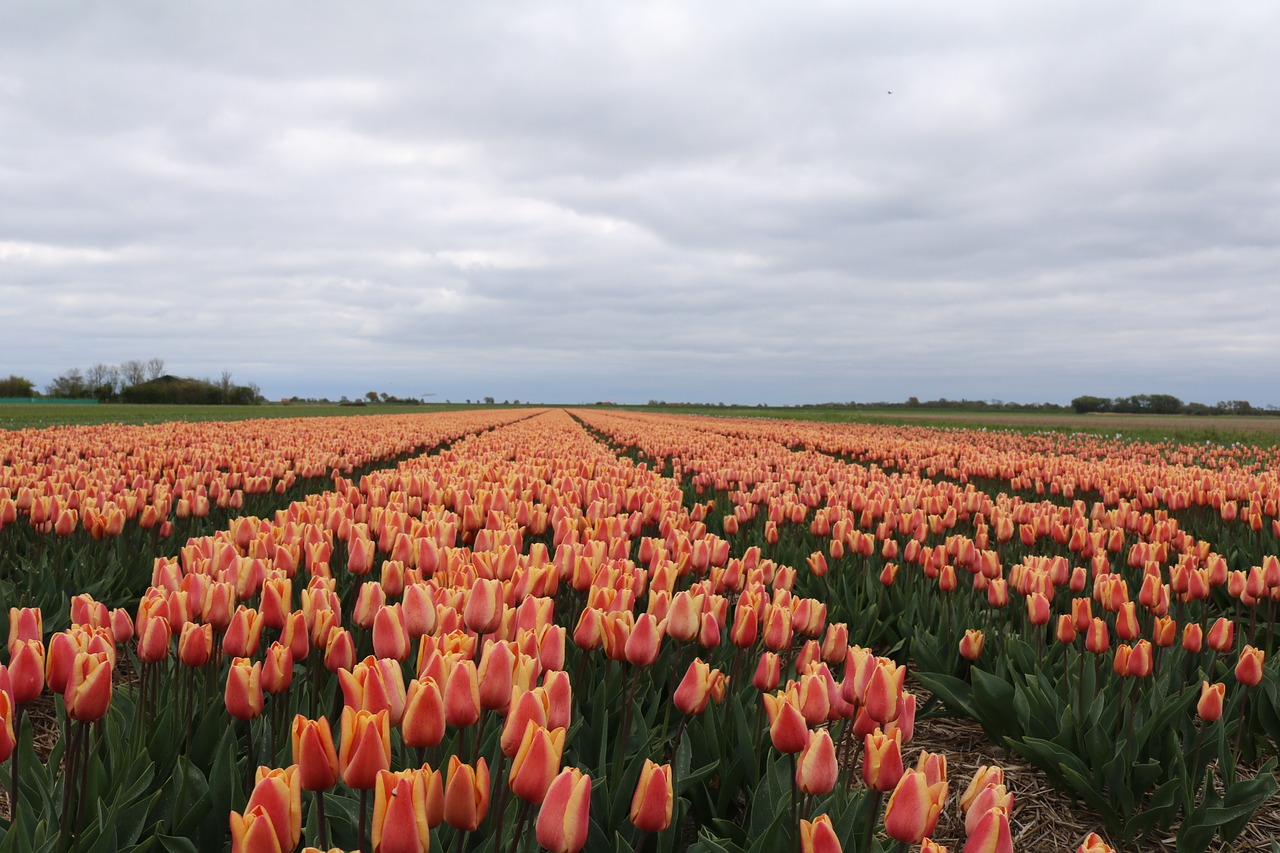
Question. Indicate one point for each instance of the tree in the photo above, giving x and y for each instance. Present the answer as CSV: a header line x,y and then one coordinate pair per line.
x,y
132,372
1085,404
17,386
371,396
488,401
70,384
225,385
102,381
155,368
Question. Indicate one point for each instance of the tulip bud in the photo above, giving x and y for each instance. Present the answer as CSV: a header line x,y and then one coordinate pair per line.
x,y
881,761
652,802
314,753
278,792
913,808
1209,708
787,728
243,695
971,644
466,794
819,836
423,722
88,690
1249,668
365,747
195,644
400,822
816,767
536,763
563,818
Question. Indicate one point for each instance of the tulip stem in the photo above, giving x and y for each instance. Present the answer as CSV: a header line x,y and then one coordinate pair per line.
x,y
17,739
364,818
86,744
873,816
521,820
248,728
320,819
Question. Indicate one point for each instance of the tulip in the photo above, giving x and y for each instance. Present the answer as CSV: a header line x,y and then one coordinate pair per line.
x,y
195,644
1097,640
787,728
768,672
971,644
1249,668
494,676
990,797
462,695
536,763
365,747
390,635
928,845
423,721
645,641
26,623
1038,609
1209,708
1192,637
816,767
819,836
277,595
241,638
27,670
277,670
369,601
279,793
881,761
254,832
88,690
1222,636
651,804
563,819
339,650
400,813
913,808
984,777
314,753
466,794
694,691
1140,660
991,834
296,636
883,691
243,695
483,611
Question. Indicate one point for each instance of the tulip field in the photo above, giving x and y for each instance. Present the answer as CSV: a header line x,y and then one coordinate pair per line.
x,y
563,630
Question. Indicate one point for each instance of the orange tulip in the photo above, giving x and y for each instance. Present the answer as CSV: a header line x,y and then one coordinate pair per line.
x,y
984,777
241,638
652,802
816,767
990,797
339,650
483,611
536,762
494,676
369,601
26,623
1192,637
254,832
26,670
645,641
423,722
1222,636
990,834
881,761
913,808
375,684
277,669
1209,708
819,836
243,695
1249,668
884,688
1038,609
195,644
400,812
564,817
971,644
466,794
314,753
88,690
390,635
768,672
279,793
1097,640
694,691
787,728
365,747
462,694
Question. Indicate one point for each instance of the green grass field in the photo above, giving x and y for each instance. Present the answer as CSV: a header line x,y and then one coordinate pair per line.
x,y
1258,430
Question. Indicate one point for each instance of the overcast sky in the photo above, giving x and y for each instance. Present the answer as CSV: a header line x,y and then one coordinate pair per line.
x,y
718,201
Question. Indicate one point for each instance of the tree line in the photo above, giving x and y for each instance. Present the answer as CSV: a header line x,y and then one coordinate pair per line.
x,y
1164,404
136,381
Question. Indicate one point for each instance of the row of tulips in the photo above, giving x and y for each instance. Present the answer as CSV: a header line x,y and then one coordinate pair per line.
x,y
889,550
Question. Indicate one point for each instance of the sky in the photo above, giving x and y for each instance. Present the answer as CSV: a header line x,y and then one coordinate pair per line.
x,y
737,202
